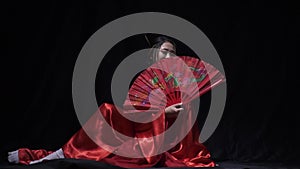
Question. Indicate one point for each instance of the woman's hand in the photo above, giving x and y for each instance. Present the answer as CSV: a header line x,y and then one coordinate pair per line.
x,y
173,110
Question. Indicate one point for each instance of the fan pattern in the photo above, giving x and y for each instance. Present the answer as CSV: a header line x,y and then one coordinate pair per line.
x,y
170,81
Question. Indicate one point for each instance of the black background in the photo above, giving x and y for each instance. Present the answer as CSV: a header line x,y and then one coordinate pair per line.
x,y
257,42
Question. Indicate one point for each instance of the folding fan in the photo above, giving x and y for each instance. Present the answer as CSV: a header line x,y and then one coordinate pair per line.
x,y
170,81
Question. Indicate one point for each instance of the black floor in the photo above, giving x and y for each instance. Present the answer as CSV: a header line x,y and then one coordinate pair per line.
x,y
87,164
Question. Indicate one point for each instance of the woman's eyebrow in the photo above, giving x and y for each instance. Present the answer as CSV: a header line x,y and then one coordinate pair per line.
x,y
169,50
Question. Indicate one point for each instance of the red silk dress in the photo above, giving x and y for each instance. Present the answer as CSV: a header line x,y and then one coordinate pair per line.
x,y
95,141
109,137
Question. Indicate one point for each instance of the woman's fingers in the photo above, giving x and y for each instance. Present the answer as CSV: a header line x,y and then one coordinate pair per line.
x,y
175,108
180,109
178,105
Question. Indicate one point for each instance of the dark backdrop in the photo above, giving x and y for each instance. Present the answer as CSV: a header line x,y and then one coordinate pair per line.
x,y
257,42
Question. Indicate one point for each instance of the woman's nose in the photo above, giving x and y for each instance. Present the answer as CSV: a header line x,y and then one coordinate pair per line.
x,y
168,55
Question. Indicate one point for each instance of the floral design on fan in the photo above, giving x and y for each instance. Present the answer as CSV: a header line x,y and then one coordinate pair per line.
x,y
198,71
178,80
155,82
175,80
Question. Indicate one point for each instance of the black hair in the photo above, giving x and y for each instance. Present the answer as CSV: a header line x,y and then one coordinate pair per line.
x,y
158,41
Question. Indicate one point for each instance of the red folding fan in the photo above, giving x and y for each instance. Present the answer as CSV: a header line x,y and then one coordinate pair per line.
x,y
170,81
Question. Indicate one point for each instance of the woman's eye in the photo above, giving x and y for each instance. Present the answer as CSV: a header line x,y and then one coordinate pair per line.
x,y
164,52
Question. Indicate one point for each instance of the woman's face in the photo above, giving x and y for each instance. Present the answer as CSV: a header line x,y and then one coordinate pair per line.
x,y
166,50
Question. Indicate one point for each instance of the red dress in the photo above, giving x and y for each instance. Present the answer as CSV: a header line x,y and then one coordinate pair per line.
x,y
108,134
189,152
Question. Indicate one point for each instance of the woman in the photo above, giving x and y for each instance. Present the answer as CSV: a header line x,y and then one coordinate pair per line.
x,y
189,152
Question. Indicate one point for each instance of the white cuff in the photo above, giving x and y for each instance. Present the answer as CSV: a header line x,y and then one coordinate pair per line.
x,y
60,153
13,156
55,155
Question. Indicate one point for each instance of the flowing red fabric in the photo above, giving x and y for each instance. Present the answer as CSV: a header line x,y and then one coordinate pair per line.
x,y
187,153
110,137
27,155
